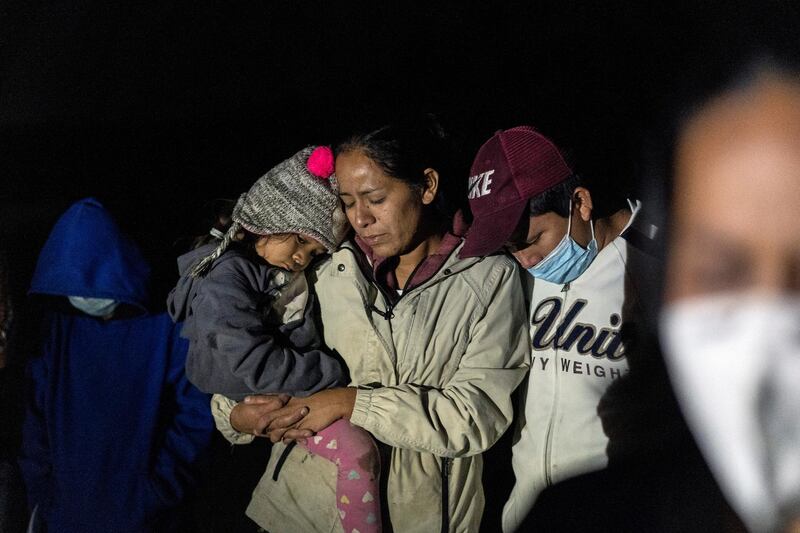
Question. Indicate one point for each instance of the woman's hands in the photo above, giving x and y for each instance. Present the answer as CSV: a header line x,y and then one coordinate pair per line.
x,y
281,417
256,413
321,410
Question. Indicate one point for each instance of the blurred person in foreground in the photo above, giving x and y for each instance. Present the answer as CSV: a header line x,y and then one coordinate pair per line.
x,y
730,326
729,331
114,432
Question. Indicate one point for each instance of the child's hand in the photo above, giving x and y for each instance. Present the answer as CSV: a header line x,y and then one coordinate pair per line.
x,y
324,408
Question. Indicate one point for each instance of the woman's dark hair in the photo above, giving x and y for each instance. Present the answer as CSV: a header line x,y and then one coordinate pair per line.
x,y
405,148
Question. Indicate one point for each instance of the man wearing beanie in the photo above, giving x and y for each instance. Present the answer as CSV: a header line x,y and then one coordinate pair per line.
x,y
577,251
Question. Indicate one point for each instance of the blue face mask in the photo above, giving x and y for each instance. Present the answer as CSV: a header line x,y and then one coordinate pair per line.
x,y
99,307
568,260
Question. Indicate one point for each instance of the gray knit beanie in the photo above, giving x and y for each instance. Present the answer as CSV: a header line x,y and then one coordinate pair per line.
x,y
299,195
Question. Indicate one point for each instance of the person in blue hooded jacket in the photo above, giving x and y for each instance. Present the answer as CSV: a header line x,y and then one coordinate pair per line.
x,y
114,432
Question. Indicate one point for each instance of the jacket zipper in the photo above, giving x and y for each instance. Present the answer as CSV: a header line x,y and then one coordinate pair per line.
x,y
388,314
391,302
548,445
447,464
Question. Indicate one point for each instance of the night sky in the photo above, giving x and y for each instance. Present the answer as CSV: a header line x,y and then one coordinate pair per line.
x,y
157,109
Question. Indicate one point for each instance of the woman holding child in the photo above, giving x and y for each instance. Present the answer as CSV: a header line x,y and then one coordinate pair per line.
x,y
434,346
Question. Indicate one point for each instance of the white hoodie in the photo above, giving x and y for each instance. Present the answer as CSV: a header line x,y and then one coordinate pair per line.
x,y
576,354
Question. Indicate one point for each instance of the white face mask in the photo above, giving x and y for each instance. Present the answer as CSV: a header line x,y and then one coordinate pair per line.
x,y
99,307
735,364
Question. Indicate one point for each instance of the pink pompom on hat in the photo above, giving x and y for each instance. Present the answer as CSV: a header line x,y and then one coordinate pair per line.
x,y
320,162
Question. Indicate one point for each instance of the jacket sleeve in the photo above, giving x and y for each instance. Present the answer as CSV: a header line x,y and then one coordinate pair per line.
x,y
229,330
221,408
187,433
35,460
472,411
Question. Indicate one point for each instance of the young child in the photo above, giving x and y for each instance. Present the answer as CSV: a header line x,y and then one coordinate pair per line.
x,y
252,320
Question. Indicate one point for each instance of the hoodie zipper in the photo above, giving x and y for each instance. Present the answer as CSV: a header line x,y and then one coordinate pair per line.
x,y
548,444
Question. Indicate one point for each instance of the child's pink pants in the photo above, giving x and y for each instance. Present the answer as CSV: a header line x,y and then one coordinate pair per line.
x,y
355,454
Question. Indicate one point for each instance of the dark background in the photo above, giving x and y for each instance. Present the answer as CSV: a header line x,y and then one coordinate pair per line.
x,y
157,109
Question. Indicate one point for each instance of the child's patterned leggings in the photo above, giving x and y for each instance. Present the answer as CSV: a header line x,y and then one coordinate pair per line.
x,y
355,454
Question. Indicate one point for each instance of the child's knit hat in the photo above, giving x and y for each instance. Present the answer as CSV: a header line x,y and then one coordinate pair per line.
x,y
299,195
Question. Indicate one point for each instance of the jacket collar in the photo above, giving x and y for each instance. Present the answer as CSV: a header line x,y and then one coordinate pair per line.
x,y
383,267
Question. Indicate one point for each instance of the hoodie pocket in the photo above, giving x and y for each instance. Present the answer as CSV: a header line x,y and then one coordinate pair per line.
x,y
110,501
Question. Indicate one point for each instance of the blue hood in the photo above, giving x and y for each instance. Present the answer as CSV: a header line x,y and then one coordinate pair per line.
x,y
87,255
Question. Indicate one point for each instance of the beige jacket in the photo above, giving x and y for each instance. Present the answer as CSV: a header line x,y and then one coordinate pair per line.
x,y
435,381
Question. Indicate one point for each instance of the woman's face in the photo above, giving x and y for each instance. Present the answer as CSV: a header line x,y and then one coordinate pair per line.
x,y
736,209
384,211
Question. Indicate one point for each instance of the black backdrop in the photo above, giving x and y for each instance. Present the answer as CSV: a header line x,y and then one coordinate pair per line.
x,y
155,109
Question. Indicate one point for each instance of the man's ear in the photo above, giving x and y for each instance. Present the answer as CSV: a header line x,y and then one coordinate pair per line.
x,y
582,201
431,186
